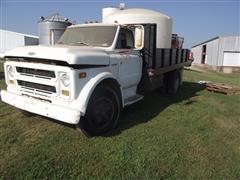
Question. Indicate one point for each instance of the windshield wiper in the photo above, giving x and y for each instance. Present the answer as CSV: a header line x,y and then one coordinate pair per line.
x,y
79,43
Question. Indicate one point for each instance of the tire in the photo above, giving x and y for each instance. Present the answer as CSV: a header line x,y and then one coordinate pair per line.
x,y
102,112
173,82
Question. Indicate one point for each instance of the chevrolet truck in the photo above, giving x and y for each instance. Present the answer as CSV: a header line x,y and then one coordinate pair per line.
x,y
96,69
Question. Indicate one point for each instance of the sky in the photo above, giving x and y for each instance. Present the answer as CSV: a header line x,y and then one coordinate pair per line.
x,y
196,21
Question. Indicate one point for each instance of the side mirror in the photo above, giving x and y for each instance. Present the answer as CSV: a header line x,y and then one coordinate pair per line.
x,y
139,37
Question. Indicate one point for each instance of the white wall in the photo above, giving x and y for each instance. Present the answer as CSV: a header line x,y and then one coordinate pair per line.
x,y
231,59
10,40
228,44
197,54
212,52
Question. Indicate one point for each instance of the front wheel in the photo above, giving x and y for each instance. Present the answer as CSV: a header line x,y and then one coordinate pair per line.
x,y
102,112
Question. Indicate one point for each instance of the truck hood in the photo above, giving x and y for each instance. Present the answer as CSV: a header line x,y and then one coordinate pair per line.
x,y
69,54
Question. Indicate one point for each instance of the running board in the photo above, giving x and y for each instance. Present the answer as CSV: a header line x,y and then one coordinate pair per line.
x,y
133,99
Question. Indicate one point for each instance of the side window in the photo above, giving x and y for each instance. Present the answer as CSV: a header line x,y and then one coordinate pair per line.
x,y
125,39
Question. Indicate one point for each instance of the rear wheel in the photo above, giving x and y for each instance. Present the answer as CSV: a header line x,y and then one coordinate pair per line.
x,y
102,112
173,82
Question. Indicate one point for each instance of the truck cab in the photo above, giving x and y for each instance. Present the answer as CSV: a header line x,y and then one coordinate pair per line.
x,y
60,81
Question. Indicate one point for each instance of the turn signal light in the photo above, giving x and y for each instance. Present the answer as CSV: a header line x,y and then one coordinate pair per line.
x,y
11,81
190,57
65,92
82,75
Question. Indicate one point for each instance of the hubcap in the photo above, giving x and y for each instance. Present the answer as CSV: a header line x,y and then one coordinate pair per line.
x,y
103,112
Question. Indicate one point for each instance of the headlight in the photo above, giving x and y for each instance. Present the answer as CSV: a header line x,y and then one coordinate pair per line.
x,y
65,80
10,70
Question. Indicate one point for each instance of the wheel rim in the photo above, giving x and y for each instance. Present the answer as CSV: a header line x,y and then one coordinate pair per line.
x,y
102,113
176,84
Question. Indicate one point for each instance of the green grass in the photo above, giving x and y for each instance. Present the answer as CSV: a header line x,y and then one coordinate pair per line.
x,y
194,135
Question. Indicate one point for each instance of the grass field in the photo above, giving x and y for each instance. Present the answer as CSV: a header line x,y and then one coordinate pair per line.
x,y
194,135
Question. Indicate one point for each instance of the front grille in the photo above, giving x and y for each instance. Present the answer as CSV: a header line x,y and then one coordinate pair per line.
x,y
36,86
36,72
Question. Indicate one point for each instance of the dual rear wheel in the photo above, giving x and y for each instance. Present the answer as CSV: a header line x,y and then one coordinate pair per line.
x,y
172,82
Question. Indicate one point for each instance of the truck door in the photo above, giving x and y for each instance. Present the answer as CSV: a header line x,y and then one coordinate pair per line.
x,y
130,63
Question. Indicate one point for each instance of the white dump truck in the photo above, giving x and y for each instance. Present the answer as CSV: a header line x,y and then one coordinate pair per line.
x,y
96,69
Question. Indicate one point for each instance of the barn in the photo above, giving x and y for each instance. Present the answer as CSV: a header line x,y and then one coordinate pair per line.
x,y
10,40
219,54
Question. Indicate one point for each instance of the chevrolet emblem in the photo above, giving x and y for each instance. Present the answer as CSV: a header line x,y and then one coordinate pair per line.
x,y
31,53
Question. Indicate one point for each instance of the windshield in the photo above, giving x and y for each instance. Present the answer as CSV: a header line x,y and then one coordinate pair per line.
x,y
101,36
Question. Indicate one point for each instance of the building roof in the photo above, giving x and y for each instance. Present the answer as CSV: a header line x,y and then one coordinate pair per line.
x,y
55,18
28,35
212,39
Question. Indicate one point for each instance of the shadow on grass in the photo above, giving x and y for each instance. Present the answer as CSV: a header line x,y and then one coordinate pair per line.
x,y
193,70
145,110
1,75
152,104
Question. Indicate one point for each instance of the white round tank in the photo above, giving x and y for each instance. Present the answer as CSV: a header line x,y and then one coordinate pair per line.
x,y
107,11
144,16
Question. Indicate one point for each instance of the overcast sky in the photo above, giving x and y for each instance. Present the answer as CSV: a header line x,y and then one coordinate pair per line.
x,y
196,21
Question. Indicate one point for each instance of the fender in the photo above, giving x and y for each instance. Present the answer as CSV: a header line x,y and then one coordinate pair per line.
x,y
88,89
